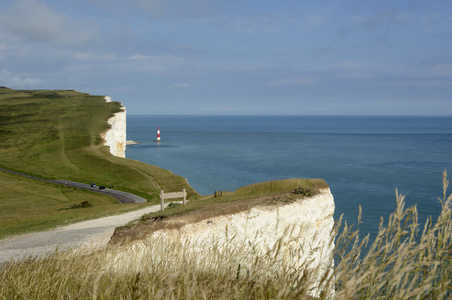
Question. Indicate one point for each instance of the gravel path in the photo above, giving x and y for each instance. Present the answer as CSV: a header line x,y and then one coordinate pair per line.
x,y
94,233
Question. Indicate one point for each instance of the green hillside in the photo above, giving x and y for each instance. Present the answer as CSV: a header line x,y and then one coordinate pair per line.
x,y
55,134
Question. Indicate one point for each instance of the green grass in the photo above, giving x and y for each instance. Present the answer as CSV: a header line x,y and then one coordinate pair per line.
x,y
270,192
28,205
279,186
59,138
407,260
57,135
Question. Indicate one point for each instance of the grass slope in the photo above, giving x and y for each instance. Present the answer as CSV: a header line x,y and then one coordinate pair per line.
x,y
28,205
56,135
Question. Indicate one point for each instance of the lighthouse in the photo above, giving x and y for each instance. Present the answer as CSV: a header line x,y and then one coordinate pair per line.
x,y
158,135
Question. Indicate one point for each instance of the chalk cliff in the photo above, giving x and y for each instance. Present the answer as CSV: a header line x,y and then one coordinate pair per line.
x,y
115,137
297,234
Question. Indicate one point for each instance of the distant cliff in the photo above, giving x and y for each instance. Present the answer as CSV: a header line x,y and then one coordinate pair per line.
x,y
115,137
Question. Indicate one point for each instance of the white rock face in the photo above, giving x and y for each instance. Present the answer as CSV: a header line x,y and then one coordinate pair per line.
x,y
313,216
295,234
115,137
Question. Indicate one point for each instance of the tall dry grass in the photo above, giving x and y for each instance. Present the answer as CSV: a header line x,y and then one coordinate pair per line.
x,y
407,260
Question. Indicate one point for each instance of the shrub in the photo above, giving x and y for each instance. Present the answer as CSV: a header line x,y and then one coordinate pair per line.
x,y
173,205
84,204
303,191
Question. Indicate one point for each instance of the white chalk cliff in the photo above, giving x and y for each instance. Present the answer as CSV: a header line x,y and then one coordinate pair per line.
x,y
115,137
296,234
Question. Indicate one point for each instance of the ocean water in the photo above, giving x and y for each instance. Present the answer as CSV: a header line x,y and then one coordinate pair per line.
x,y
363,159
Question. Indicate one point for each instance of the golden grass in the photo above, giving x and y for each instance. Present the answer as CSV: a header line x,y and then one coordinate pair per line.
x,y
400,263
405,261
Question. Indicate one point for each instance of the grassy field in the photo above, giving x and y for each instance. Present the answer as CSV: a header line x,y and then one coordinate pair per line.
x,y
28,205
57,135
407,260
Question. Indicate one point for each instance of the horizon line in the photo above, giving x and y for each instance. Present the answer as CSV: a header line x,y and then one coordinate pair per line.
x,y
281,115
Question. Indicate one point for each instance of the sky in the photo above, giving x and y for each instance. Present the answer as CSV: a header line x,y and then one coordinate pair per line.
x,y
247,57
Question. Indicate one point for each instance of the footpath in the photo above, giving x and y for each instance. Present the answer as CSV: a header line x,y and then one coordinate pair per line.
x,y
93,233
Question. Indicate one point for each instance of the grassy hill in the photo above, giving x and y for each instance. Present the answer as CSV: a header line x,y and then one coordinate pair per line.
x,y
55,134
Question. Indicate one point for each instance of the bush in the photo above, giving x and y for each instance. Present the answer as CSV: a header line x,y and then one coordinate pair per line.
x,y
173,205
303,191
84,204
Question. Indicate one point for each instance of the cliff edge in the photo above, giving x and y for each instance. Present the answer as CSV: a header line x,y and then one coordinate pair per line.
x,y
115,137
298,233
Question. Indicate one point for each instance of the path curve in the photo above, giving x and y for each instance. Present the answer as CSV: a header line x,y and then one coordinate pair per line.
x,y
92,233
123,197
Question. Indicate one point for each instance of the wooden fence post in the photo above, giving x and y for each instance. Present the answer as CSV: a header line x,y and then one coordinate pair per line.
x,y
164,196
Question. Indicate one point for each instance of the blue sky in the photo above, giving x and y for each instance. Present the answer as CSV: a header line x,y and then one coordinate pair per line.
x,y
236,57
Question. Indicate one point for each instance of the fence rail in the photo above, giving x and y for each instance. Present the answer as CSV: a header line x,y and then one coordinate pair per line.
x,y
172,195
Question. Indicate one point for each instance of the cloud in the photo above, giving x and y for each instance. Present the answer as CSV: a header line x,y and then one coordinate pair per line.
x,y
162,59
139,57
443,70
87,62
145,63
160,8
254,23
311,22
382,19
297,80
10,80
178,86
33,20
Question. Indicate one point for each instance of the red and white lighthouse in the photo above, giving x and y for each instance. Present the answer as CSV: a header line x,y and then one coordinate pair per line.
x,y
158,135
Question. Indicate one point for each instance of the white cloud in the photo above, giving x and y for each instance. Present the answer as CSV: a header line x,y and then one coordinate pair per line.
x,y
160,8
94,56
178,86
139,57
443,70
110,63
33,20
167,60
298,80
10,80
138,62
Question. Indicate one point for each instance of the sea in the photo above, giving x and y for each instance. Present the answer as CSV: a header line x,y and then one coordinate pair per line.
x,y
363,159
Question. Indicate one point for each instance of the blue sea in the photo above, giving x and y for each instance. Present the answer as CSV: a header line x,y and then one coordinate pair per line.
x,y
363,159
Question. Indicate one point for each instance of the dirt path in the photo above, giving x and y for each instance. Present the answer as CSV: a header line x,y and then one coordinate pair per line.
x,y
93,233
